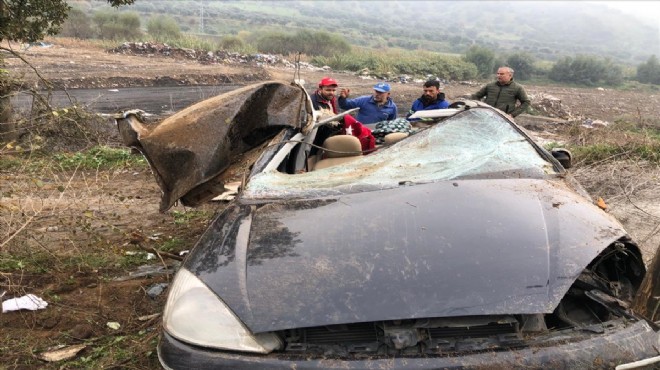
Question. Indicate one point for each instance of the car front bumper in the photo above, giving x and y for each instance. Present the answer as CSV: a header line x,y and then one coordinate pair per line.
x,y
621,344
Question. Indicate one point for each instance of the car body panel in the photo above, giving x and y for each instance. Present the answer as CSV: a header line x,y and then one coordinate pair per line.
x,y
197,144
468,247
569,349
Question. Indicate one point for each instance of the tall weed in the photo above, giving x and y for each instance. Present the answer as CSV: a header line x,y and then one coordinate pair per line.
x,y
389,62
626,138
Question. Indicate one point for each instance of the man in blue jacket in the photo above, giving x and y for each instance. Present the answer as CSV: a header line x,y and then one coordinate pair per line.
x,y
373,108
431,99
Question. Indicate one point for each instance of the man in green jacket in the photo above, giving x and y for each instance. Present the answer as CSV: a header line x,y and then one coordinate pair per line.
x,y
503,93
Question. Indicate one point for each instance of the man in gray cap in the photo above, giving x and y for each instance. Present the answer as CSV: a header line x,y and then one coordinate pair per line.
x,y
373,108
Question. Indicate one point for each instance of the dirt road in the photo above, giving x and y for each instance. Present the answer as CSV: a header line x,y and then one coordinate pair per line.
x,y
76,65
159,101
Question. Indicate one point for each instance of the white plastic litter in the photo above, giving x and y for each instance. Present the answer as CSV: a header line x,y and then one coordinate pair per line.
x,y
113,325
27,302
61,353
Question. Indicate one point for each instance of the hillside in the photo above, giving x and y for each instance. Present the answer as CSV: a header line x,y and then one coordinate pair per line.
x,y
547,30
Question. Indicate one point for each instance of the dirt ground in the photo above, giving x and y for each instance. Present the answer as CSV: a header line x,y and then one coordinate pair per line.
x,y
75,238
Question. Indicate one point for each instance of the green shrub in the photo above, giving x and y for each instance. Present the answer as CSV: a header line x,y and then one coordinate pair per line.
x,y
522,64
191,42
389,62
305,42
649,72
77,25
483,59
586,70
230,42
163,27
114,25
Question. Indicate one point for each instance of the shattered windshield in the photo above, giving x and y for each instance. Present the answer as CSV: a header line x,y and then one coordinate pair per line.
x,y
477,143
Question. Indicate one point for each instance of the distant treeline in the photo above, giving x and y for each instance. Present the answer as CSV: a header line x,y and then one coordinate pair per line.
x,y
323,48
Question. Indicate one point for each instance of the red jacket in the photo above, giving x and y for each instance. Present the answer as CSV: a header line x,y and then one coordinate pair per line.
x,y
362,132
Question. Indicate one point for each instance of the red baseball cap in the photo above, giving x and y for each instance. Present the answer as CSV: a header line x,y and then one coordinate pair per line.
x,y
328,82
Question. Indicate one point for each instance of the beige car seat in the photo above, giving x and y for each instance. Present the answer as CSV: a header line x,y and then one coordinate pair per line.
x,y
339,149
394,137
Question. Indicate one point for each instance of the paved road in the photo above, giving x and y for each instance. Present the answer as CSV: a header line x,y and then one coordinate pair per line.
x,y
161,101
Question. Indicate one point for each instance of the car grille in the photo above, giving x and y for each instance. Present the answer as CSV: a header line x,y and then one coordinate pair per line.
x,y
431,338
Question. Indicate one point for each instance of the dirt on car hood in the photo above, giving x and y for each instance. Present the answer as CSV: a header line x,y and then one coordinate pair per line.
x,y
443,249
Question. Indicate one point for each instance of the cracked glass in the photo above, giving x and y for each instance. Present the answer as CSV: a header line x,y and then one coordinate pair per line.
x,y
477,143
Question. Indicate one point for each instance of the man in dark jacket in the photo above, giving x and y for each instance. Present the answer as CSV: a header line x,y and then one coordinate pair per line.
x,y
432,98
324,99
504,93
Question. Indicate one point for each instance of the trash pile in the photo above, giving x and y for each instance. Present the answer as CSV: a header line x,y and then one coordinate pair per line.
x,y
206,57
550,106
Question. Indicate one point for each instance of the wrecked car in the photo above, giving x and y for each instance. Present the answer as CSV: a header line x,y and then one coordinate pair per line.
x,y
462,245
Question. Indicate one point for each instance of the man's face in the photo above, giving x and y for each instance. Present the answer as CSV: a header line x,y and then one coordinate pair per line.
x,y
380,97
431,93
328,92
503,75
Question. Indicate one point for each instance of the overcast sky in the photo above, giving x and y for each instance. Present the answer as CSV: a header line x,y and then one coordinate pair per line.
x,y
649,10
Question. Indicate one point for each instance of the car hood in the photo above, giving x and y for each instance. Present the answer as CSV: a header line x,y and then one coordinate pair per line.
x,y
470,247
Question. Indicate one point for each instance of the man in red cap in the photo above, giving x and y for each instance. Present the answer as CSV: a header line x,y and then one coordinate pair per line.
x,y
324,97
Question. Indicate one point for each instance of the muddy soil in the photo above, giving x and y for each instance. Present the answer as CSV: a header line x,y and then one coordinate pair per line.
x,y
83,225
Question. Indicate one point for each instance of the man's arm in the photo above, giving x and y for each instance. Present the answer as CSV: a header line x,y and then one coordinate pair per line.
x,y
413,108
480,94
525,102
347,104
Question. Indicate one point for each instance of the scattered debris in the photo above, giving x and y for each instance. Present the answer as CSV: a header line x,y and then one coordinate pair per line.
x,y
156,290
207,57
231,189
27,302
590,123
148,270
61,353
113,325
550,106
38,44
148,317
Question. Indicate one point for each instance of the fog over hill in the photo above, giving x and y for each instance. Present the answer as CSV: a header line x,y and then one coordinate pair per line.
x,y
548,30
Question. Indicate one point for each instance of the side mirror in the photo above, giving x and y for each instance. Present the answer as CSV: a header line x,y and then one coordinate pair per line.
x,y
564,157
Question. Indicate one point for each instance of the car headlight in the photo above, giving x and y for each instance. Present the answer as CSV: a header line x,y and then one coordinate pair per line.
x,y
194,314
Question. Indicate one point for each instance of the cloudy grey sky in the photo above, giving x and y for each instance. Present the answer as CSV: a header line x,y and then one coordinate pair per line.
x,y
649,10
